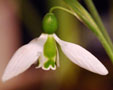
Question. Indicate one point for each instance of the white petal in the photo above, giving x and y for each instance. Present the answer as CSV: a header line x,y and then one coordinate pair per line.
x,y
40,41
24,57
82,57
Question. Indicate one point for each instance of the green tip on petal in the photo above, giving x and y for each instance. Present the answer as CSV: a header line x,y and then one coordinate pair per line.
x,y
50,23
49,62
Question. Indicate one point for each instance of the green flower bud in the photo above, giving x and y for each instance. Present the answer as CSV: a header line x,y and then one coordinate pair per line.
x,y
50,23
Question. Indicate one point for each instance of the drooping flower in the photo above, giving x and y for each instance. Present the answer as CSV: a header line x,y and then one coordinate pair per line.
x,y
44,52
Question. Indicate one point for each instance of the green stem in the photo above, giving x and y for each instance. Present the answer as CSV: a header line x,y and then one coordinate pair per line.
x,y
106,45
61,8
64,9
97,18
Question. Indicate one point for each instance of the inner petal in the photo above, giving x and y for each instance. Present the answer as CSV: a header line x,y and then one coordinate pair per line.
x,y
50,52
48,58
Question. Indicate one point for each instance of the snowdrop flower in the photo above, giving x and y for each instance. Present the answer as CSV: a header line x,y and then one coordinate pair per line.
x,y
44,52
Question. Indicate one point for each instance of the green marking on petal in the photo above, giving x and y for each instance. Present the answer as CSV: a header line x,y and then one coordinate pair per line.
x,y
50,50
48,63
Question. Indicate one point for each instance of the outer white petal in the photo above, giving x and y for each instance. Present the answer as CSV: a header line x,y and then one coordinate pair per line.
x,y
24,57
81,57
40,41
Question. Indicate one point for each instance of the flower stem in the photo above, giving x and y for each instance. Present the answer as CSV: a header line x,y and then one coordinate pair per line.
x,y
98,20
106,45
61,8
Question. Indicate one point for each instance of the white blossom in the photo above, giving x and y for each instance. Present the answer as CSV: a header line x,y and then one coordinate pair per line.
x,y
32,52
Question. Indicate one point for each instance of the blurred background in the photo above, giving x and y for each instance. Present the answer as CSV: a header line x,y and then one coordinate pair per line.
x,y
21,21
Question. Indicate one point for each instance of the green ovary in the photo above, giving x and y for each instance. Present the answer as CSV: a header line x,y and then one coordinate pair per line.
x,y
50,23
